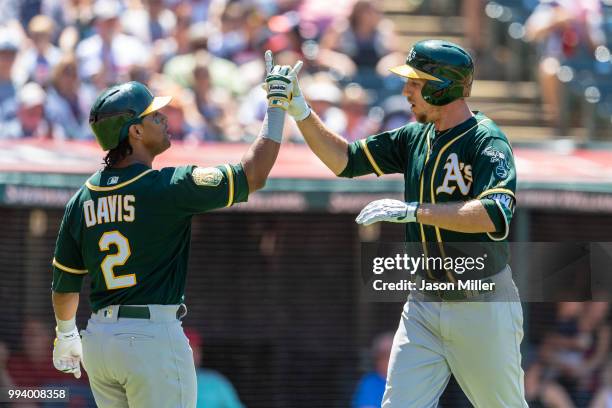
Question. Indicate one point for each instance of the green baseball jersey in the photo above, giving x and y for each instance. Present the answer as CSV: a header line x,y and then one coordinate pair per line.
x,y
470,161
130,230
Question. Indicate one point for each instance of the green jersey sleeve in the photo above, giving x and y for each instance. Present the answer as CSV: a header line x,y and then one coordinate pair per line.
x,y
384,153
495,183
68,265
199,189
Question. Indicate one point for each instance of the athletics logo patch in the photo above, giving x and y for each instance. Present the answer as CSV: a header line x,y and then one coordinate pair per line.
x,y
502,169
207,176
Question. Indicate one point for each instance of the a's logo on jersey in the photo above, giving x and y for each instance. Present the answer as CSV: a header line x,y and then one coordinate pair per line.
x,y
207,176
498,157
457,172
112,180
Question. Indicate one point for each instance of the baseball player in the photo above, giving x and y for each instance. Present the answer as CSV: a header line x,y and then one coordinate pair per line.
x,y
459,187
129,228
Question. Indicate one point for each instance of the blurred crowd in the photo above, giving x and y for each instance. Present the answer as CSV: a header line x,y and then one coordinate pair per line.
x,y
31,366
567,32
567,365
572,364
56,56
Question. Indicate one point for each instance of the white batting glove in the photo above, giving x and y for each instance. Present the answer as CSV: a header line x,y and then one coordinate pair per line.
x,y
279,82
67,352
387,210
298,108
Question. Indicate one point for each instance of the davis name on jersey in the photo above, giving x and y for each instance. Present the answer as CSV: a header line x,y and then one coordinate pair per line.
x,y
114,208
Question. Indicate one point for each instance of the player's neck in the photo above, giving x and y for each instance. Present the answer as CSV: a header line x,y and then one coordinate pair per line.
x,y
135,158
452,115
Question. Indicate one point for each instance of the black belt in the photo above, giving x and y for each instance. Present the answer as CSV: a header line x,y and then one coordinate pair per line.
x,y
142,312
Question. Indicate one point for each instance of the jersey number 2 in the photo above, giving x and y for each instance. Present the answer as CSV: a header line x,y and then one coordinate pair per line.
x,y
117,259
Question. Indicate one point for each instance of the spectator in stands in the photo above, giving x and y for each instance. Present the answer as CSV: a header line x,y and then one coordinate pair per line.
x,y
69,100
320,16
564,30
398,112
230,39
540,390
200,9
109,53
364,36
239,33
603,398
31,121
577,350
371,387
222,71
8,89
214,390
74,19
361,121
323,93
210,101
473,18
37,61
150,23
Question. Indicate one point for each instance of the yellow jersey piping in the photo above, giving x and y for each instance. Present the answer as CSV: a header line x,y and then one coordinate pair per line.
x,y
230,185
68,269
111,188
366,150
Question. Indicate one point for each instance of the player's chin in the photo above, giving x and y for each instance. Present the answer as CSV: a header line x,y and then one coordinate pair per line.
x,y
166,143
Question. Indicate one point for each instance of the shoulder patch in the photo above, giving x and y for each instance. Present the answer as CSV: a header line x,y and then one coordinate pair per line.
x,y
502,168
207,176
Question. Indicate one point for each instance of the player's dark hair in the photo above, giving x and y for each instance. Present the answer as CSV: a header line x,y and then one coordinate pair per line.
x,y
114,156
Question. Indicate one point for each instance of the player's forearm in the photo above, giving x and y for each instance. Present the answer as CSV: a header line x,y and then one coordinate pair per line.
x,y
330,148
261,155
65,305
467,217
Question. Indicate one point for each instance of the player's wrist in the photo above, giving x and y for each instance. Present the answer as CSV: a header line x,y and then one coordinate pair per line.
x,y
412,211
273,125
65,326
299,109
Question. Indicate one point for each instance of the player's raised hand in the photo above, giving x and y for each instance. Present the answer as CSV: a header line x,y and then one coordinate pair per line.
x,y
277,83
269,59
387,210
68,352
298,108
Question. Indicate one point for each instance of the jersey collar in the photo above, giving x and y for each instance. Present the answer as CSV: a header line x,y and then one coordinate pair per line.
x,y
113,179
438,137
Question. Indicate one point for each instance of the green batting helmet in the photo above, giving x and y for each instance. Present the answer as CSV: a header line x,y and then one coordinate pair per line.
x,y
118,108
448,68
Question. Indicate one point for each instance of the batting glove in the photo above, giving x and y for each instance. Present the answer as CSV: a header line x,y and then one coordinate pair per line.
x,y
67,352
298,108
278,82
387,210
